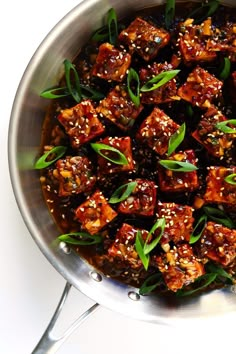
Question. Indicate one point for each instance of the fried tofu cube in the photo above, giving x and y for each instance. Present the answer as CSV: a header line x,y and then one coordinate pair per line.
x,y
95,213
217,189
123,144
118,108
123,247
193,42
218,243
111,63
201,88
142,200
81,123
179,222
75,175
144,38
156,130
173,181
207,134
224,40
165,93
179,267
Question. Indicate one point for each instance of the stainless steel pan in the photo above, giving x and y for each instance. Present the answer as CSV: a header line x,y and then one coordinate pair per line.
x,y
44,70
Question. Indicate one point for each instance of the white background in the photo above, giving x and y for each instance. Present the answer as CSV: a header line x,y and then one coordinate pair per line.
x,y
30,287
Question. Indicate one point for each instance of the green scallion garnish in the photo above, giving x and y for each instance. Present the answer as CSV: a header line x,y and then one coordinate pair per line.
x,y
123,192
110,153
55,92
169,12
203,281
206,10
139,246
159,80
148,247
231,179
74,89
217,269
225,72
133,85
80,238
223,126
112,26
198,229
178,166
42,162
219,216
151,283
176,139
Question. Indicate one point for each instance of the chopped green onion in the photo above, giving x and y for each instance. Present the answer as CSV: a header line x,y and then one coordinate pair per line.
x,y
176,139
123,192
217,269
55,93
118,158
112,26
139,246
88,92
206,10
59,151
101,34
151,283
225,72
200,226
169,12
189,110
204,281
133,78
159,80
75,91
223,126
231,179
148,247
178,166
80,238
219,216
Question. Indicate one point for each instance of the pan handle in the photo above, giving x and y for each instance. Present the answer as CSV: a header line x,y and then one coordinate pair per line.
x,y
50,344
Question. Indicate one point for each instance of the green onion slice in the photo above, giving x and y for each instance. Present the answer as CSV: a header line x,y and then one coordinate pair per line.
x,y
117,156
75,91
225,72
217,269
101,34
151,283
178,166
133,80
231,179
169,12
88,92
139,246
203,281
59,151
159,80
112,26
176,139
199,228
223,126
219,216
148,247
123,192
80,238
206,10
55,92
189,110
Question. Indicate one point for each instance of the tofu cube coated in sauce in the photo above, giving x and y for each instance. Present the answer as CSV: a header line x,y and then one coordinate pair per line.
x,y
214,140
111,63
173,181
201,88
156,130
142,200
95,213
122,144
217,189
165,93
81,123
75,175
179,266
144,38
123,247
179,222
118,108
218,243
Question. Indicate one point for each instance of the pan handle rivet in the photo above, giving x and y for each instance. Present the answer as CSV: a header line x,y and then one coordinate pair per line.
x,y
95,276
64,247
133,296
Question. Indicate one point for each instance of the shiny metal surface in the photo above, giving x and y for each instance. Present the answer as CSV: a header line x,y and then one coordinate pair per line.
x,y
44,70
